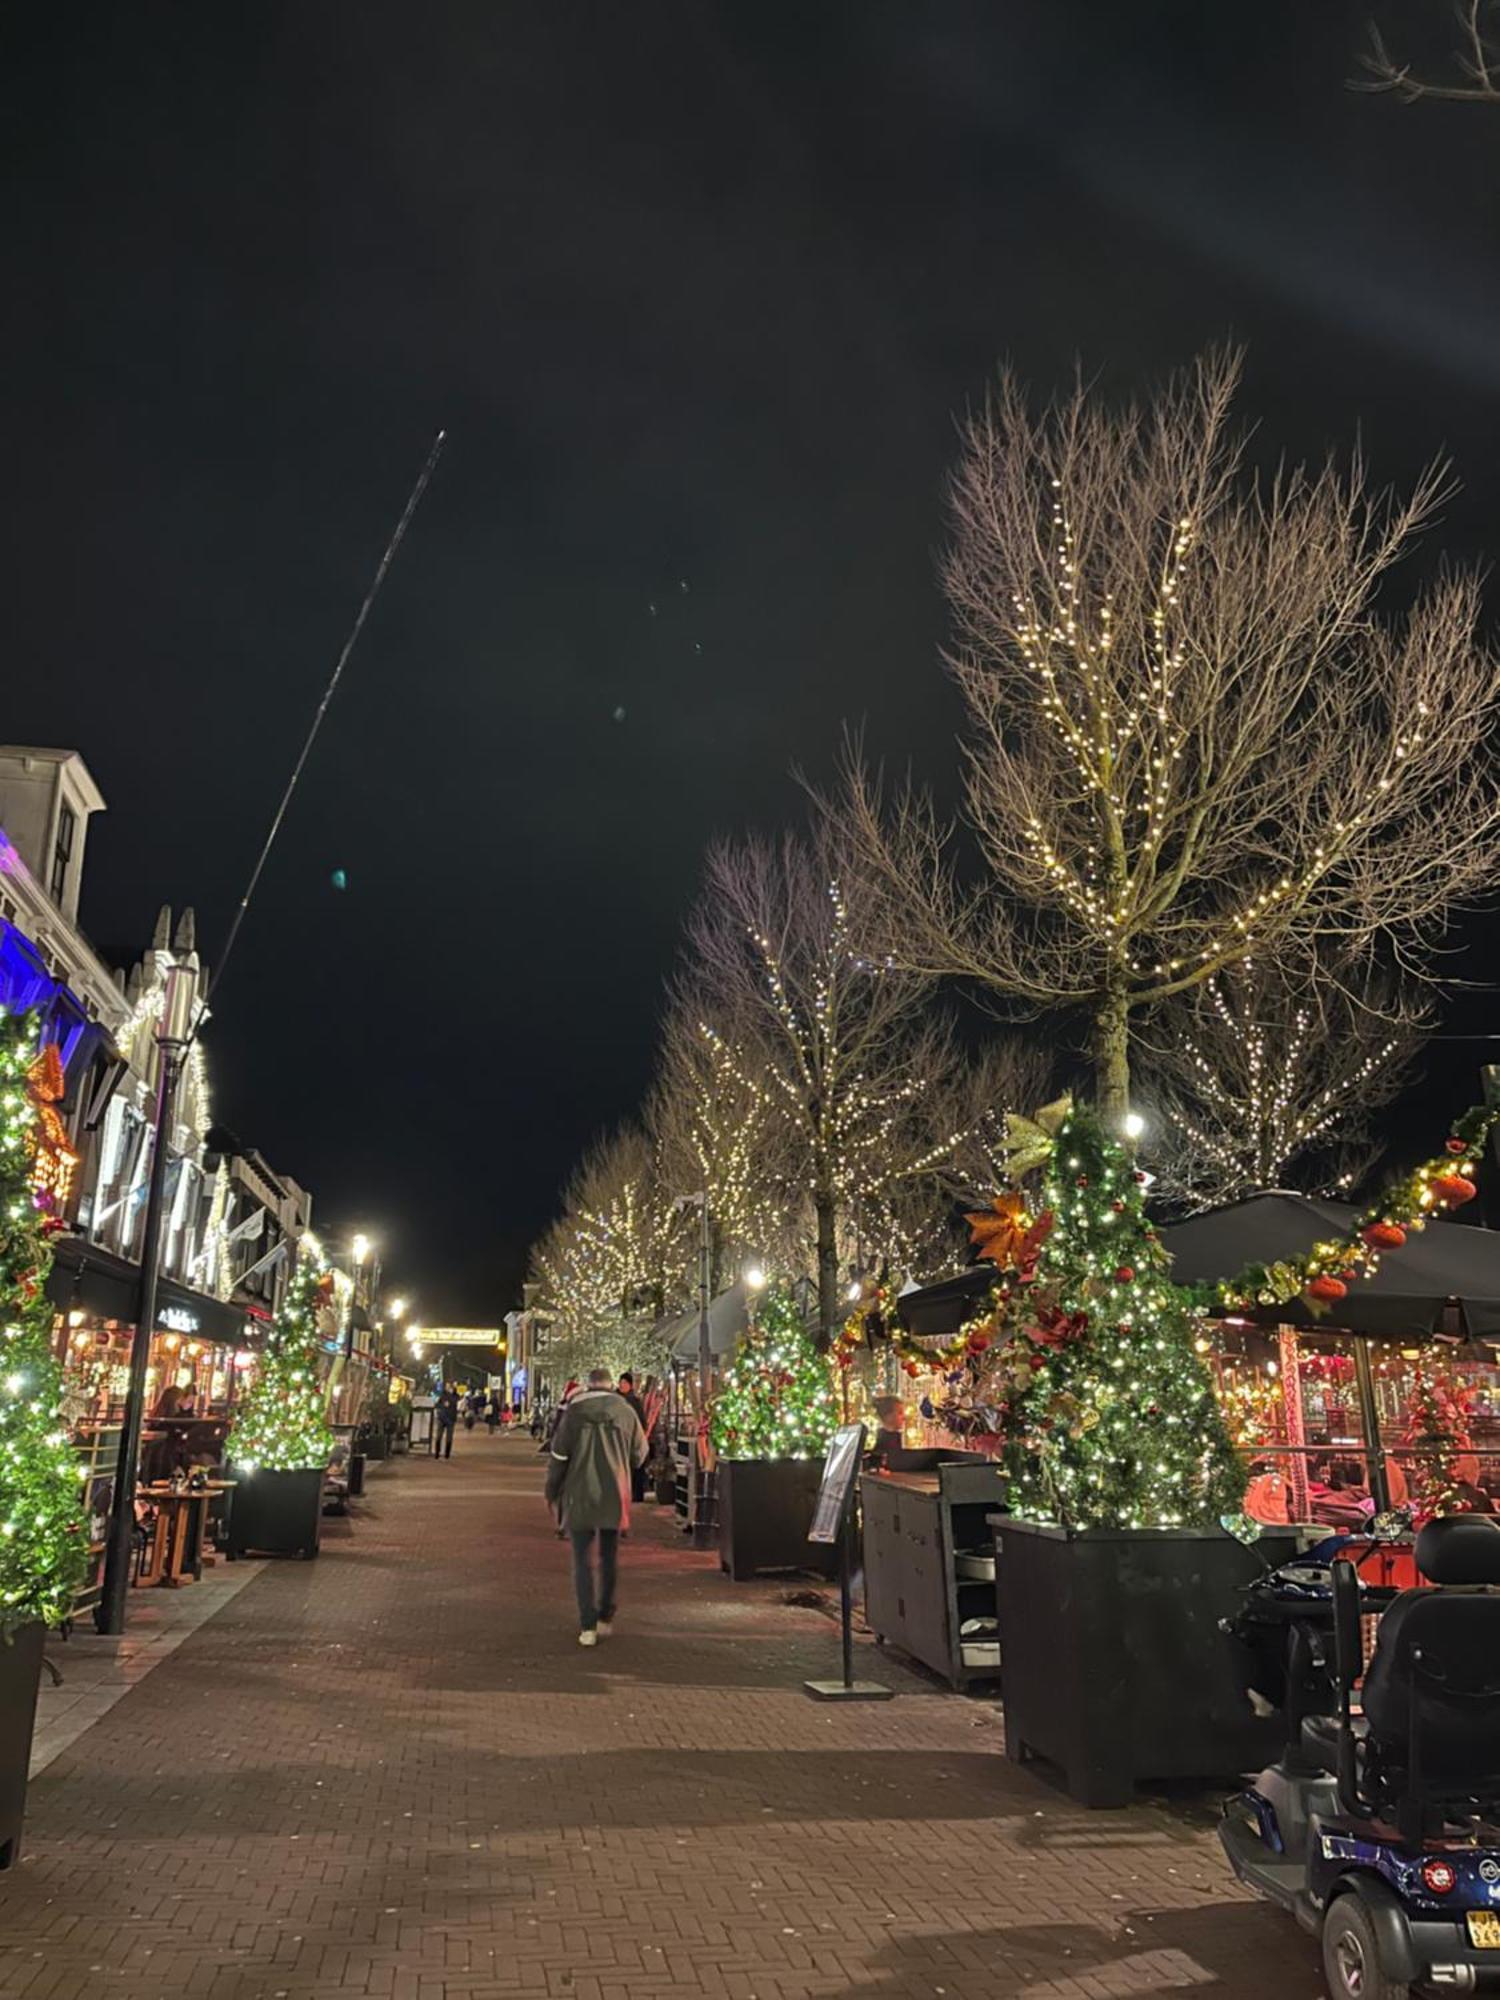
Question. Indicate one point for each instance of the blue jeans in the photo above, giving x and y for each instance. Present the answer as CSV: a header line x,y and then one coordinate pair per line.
x,y
591,1611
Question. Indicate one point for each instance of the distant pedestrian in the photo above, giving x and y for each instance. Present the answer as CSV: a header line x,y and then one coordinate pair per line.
x,y
626,1387
444,1417
598,1446
492,1414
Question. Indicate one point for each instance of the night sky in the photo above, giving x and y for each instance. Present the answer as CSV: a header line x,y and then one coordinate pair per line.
x,y
696,289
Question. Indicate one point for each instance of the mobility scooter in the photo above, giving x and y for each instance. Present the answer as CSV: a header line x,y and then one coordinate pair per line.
x,y
1381,1830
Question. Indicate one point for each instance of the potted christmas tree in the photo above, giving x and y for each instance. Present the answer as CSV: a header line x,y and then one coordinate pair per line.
x,y
280,1444
770,1427
43,1552
1115,1565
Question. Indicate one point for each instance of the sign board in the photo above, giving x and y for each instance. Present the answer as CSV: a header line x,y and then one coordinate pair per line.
x,y
845,1449
461,1336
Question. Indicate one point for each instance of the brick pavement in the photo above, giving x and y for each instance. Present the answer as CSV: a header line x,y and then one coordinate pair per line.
x,y
393,1772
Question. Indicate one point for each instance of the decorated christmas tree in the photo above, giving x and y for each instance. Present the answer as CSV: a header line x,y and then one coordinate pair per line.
x,y
43,1551
777,1400
1107,1409
280,1426
1441,1462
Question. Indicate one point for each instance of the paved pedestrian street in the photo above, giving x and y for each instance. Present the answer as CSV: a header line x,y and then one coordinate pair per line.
x,y
394,1772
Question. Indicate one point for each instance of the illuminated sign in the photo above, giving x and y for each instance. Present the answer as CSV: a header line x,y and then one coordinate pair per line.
x,y
460,1336
179,1319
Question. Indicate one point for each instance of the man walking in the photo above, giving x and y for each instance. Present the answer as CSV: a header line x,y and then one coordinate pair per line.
x,y
598,1445
444,1417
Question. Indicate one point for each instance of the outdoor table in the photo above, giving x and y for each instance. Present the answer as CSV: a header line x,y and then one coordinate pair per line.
x,y
175,1557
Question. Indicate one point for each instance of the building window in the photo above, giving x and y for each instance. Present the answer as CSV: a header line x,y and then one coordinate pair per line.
x,y
62,853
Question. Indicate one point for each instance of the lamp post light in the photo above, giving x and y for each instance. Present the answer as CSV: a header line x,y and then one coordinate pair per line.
x,y
171,1053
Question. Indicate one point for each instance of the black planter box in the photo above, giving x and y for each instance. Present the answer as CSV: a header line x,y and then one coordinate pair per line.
x,y
276,1513
765,1510
1111,1659
20,1677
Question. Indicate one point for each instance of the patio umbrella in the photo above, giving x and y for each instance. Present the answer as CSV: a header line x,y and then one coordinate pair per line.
x,y
1446,1280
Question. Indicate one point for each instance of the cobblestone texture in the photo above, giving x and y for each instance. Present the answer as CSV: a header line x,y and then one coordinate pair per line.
x,y
393,1772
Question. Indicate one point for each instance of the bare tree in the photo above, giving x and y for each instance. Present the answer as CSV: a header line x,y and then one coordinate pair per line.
x,y
800,1014
1269,1073
716,1130
1191,732
1477,62
615,1261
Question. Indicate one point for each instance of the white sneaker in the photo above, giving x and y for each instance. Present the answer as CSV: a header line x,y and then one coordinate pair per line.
x,y
606,1626
588,1638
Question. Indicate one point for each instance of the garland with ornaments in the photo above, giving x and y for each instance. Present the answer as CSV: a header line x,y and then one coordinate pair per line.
x,y
43,1550
1324,1274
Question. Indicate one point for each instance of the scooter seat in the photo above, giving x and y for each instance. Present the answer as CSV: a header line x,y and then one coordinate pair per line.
x,y
1320,1739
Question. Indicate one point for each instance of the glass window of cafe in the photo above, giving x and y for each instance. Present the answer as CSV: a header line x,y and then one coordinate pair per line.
x,y
190,1375
1292,1400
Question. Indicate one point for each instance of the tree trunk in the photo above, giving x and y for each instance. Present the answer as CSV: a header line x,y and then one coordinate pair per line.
x,y
825,1208
1111,1052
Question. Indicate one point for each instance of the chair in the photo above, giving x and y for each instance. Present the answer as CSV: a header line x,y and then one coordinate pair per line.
x,y
1427,1748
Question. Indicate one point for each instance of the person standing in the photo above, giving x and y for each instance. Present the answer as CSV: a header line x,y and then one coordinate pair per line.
x,y
626,1387
598,1445
444,1417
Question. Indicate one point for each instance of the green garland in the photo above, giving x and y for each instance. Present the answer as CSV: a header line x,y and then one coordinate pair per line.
x,y
1325,1273
43,1549
280,1426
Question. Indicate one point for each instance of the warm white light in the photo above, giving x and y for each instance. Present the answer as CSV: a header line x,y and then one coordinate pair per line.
x,y
75,1318
416,1348
1135,1125
414,1334
853,1293
362,1248
398,1308
755,1278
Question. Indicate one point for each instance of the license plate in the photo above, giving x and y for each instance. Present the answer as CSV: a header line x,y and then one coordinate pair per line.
x,y
1484,1929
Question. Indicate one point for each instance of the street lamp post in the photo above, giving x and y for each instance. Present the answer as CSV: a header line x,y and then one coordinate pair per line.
x,y
109,1616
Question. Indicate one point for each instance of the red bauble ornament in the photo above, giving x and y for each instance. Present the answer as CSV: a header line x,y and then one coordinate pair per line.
x,y
1124,1274
1458,1147
1118,1207
911,1368
1385,1236
1327,1288
1139,1177
978,1342
846,1360
1453,1190
1082,1181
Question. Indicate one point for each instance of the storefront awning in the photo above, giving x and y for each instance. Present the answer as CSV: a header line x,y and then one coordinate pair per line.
x,y
85,1278
1446,1279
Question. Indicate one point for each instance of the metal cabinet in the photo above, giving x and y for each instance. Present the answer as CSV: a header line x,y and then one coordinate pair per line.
x,y
916,1524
